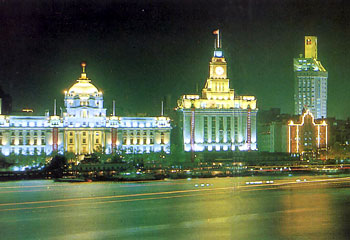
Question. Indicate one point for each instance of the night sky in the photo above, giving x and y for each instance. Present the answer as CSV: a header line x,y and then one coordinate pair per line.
x,y
137,52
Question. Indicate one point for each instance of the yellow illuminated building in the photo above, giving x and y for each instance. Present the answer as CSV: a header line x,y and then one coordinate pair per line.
x,y
218,119
309,137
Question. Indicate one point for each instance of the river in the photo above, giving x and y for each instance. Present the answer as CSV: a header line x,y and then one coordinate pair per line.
x,y
303,207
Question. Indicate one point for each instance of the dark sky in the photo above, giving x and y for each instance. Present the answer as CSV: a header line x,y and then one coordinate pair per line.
x,y
140,51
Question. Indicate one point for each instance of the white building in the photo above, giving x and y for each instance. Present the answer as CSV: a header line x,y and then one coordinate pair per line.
x,y
83,128
218,120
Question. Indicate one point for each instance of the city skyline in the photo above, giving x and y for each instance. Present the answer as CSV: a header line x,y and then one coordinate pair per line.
x,y
140,54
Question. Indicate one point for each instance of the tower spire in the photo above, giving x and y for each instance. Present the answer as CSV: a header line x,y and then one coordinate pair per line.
x,y
218,40
83,71
54,107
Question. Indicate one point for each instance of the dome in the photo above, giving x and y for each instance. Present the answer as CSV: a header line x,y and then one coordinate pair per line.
x,y
83,87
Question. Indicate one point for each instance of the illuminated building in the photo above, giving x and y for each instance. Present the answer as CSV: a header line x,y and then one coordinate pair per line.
x,y
272,131
310,81
83,128
218,120
309,137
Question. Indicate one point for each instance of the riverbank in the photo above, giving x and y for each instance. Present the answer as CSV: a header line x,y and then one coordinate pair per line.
x,y
172,174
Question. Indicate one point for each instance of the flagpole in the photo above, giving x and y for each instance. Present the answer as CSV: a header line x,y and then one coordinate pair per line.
x,y
218,38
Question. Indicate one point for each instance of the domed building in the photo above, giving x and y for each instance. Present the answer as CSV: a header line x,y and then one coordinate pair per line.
x,y
83,127
83,99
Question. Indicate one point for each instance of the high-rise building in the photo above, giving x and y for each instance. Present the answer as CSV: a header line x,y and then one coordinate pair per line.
x,y
218,120
83,128
310,81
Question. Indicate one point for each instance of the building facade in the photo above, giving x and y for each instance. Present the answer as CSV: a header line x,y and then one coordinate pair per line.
x,y
273,131
310,82
308,137
217,120
83,128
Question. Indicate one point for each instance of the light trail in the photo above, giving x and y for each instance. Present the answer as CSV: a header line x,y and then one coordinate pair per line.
x,y
25,191
114,196
122,184
262,186
110,201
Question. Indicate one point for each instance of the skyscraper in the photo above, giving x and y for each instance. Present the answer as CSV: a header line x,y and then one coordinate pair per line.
x,y
310,81
218,120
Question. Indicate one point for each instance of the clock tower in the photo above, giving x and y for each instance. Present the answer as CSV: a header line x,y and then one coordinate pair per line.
x,y
217,120
218,85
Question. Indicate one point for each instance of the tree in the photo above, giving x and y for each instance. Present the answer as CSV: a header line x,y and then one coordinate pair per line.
x,y
57,166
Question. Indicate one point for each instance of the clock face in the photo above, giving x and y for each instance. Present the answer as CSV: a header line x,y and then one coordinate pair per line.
x,y
219,70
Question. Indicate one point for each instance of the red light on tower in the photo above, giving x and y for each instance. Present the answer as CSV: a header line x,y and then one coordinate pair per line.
x,y
308,41
83,65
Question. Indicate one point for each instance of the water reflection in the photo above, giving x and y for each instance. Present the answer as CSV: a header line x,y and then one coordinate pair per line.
x,y
306,213
196,209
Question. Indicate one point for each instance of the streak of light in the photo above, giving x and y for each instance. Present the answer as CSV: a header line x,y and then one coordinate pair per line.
x,y
263,186
114,196
25,191
111,201
123,184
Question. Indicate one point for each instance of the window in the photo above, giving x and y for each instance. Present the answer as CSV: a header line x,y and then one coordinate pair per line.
x,y
162,138
221,129
70,140
213,129
97,140
228,128
205,129
84,140
84,133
